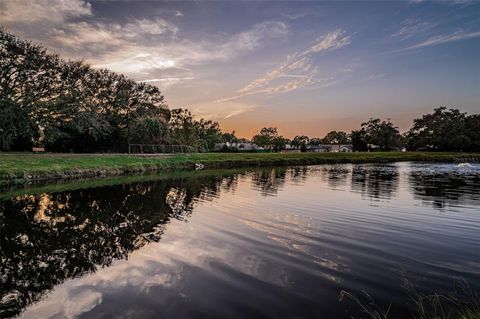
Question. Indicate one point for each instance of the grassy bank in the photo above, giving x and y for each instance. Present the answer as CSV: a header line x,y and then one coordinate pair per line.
x,y
18,168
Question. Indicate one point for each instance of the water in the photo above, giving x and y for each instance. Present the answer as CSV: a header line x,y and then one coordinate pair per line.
x,y
263,243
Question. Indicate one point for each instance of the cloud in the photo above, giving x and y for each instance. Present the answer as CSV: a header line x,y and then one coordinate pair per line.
x,y
440,39
166,82
412,27
294,16
298,66
332,41
31,11
447,2
251,39
224,110
141,48
135,54
373,77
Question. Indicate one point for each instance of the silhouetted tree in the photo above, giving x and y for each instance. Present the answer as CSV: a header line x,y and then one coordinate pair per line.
x,y
381,133
335,137
301,142
445,130
268,138
67,105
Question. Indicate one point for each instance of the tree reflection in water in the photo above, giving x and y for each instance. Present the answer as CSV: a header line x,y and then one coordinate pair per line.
x,y
441,188
48,238
269,181
375,181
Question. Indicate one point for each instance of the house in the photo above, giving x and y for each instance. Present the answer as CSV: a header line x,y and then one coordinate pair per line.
x,y
334,148
319,148
345,148
246,146
240,146
290,149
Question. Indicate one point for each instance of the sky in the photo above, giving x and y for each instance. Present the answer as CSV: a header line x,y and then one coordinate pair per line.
x,y
306,67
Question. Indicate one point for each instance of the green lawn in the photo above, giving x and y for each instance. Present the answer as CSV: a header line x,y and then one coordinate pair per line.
x,y
23,167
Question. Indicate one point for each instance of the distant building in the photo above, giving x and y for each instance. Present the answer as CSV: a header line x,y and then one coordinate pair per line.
x,y
333,148
240,146
345,148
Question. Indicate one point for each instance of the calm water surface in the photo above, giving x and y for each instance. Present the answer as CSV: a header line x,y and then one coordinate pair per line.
x,y
267,243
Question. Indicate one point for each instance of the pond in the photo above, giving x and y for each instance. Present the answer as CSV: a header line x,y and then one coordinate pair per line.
x,y
256,243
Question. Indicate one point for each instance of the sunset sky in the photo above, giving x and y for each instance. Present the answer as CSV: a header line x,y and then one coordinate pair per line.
x,y
305,67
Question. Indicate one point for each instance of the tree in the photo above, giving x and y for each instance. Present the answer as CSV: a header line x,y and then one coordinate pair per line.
x,y
279,143
301,142
67,105
230,138
27,82
359,140
443,130
268,138
381,133
315,141
472,130
148,130
209,134
335,137
265,137
200,134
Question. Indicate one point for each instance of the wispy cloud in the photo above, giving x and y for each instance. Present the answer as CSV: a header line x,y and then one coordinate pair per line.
x,y
225,110
142,48
374,76
299,66
440,39
295,16
412,27
447,2
31,11
167,81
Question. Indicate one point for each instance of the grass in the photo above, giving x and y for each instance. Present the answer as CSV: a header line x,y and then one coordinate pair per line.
x,y
461,303
92,182
19,168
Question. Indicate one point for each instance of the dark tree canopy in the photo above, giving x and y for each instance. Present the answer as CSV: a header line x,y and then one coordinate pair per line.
x,y
200,134
376,134
301,142
335,137
269,138
445,130
67,105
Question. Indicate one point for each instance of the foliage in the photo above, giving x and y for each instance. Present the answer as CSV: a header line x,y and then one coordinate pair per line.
x,y
66,104
148,130
461,303
315,141
335,137
200,134
445,130
268,138
300,141
377,133
359,140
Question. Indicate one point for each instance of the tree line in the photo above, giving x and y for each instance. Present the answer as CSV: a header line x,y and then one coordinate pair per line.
x,y
68,106
442,130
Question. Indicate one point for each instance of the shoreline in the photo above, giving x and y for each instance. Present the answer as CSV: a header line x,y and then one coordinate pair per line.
x,y
24,168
